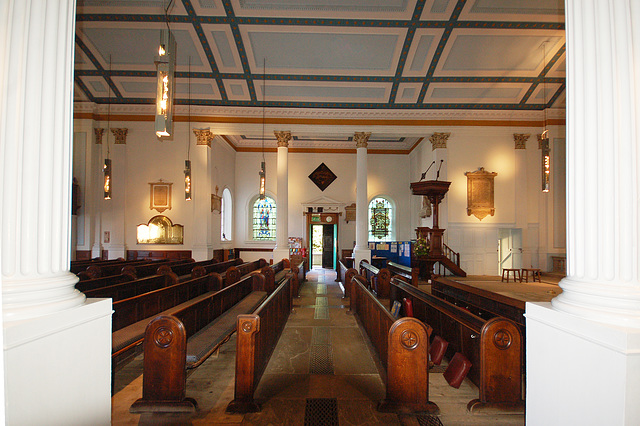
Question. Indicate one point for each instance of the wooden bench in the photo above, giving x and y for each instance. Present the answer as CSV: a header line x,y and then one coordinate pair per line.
x,y
100,282
133,288
346,273
494,346
402,345
411,274
183,340
298,275
258,334
131,316
377,278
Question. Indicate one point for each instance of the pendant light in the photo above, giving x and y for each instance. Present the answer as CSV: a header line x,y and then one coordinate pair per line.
x,y
106,168
187,162
544,137
165,66
263,171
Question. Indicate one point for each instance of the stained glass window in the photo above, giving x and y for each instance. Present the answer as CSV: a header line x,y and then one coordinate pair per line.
x,y
264,219
226,215
380,220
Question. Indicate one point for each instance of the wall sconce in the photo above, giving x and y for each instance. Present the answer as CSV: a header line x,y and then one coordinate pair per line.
x,y
165,65
187,180
263,179
546,163
106,169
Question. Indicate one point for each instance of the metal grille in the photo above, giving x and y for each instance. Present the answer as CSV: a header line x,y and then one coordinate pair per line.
x,y
321,412
322,301
321,312
429,420
321,359
321,336
321,289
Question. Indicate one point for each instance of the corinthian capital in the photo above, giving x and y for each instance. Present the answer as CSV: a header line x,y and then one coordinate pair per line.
x,y
439,140
203,136
99,132
283,138
361,138
120,135
520,140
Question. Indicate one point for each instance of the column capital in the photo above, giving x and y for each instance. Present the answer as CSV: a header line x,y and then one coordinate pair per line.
x,y
439,140
520,140
203,136
283,138
120,135
99,132
361,138
540,141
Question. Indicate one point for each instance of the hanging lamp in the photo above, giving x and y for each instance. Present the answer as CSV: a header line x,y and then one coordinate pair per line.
x,y
187,162
106,168
544,137
165,66
263,172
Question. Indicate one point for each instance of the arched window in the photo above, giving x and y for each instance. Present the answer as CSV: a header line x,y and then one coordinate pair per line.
x,y
226,216
381,216
264,219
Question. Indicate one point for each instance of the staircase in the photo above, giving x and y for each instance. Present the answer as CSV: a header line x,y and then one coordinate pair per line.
x,y
449,261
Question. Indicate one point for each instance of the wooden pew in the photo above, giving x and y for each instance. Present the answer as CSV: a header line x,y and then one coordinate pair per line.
x,y
298,275
377,278
183,340
258,334
131,316
100,282
402,346
411,274
219,267
129,289
346,273
234,273
494,346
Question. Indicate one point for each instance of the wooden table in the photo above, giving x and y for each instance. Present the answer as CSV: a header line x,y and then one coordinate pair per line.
x,y
516,274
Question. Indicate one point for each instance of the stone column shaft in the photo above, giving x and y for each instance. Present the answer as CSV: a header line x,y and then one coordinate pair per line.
x,y
35,155
603,180
361,250
281,249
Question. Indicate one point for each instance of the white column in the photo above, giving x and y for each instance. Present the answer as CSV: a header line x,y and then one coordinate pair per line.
x,y
281,250
361,250
583,350
439,171
56,346
521,197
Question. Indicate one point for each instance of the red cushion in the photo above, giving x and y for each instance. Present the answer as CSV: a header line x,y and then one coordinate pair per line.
x,y
457,370
437,349
407,304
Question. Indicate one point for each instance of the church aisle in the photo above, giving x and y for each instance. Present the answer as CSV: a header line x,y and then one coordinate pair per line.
x,y
321,372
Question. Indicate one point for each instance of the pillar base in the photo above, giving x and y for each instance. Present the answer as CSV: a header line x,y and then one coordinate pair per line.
x,y
358,255
279,254
202,252
580,371
58,367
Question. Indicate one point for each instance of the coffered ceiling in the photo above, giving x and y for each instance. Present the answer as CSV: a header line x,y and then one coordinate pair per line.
x,y
394,55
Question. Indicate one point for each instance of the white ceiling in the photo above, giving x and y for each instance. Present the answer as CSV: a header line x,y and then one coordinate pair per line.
x,y
419,56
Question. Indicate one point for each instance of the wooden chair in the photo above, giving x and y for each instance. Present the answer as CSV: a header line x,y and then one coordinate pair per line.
x,y
516,274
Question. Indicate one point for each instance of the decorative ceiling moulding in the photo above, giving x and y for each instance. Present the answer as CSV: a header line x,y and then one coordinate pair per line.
x,y
203,136
99,132
120,134
439,140
283,138
520,140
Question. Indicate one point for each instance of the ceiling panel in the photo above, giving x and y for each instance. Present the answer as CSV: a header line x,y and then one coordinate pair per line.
x,y
461,93
514,10
326,92
347,9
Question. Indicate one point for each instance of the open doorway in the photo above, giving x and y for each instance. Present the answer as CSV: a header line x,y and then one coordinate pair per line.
x,y
323,246
509,248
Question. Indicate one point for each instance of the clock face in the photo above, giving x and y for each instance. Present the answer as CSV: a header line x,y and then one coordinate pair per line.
x,y
329,219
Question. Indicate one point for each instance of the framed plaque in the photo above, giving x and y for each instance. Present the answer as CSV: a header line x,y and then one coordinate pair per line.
x,y
480,193
160,196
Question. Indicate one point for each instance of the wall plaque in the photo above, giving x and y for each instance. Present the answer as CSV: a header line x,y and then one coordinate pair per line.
x,y
322,176
160,196
480,193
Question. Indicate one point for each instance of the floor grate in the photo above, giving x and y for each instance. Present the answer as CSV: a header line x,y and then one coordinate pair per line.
x,y
321,361
321,412
321,289
322,301
321,336
429,420
321,312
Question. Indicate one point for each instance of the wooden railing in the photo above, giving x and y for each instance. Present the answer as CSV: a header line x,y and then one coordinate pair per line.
x,y
411,274
258,334
493,346
450,254
402,347
378,279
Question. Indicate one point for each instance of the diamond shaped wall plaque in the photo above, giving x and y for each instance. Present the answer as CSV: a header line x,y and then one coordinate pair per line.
x,y
322,176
